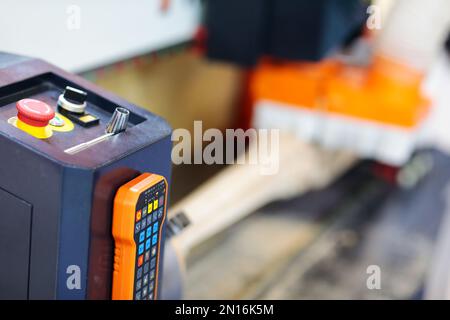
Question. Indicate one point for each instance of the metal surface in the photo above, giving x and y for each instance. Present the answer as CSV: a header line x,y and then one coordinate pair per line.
x,y
119,121
117,124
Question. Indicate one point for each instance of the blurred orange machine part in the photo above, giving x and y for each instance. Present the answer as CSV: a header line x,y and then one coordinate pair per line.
x,y
337,104
386,92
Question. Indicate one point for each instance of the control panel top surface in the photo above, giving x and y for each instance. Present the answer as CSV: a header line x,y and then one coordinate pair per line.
x,y
69,131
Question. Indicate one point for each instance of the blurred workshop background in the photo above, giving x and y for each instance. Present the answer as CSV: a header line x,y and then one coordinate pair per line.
x,y
361,93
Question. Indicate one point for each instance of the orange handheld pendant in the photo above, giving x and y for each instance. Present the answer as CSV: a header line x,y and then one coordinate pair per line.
x,y
139,214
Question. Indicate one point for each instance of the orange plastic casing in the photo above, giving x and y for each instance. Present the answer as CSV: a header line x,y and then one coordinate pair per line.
x,y
386,91
123,232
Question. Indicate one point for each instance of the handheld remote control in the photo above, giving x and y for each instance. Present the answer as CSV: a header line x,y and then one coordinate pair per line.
x,y
139,214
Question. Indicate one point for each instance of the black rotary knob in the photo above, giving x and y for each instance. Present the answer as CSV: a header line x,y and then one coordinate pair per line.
x,y
73,100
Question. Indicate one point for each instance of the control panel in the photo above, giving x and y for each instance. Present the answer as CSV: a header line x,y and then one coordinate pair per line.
x,y
139,214
67,148
65,118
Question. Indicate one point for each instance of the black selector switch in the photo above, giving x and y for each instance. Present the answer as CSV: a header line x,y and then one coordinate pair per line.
x,y
75,96
72,104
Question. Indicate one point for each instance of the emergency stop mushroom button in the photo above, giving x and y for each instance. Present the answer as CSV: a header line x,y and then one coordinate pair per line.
x,y
34,112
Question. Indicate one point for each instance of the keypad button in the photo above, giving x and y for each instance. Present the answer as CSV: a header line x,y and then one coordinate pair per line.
x,y
147,256
149,232
146,267
144,212
142,236
149,219
140,260
155,227
155,216
161,200
139,273
147,244
152,275
145,281
137,228
151,286
139,284
153,263
149,207
141,249
138,295
144,291
160,212
155,204
154,239
143,224
154,251
138,215
150,296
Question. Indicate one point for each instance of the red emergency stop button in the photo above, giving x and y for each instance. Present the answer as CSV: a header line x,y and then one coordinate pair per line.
x,y
34,112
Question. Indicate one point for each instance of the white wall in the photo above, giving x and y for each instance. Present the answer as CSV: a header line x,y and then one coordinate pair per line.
x,y
108,30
